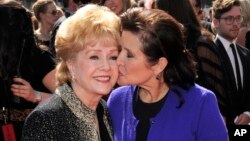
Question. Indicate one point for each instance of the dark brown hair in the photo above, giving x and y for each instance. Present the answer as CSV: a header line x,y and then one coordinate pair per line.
x,y
161,36
186,16
222,6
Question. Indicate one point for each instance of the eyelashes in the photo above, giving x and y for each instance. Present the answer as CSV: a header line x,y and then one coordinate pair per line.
x,y
114,58
97,57
94,57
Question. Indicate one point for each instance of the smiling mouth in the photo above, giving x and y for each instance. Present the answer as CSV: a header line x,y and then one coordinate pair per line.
x,y
103,78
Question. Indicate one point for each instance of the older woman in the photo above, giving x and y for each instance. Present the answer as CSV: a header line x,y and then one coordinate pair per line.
x,y
160,100
87,48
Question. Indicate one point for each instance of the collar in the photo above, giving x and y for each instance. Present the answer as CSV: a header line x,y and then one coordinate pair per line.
x,y
74,103
82,112
225,42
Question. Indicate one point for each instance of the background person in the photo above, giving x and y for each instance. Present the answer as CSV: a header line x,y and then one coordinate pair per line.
x,y
235,60
46,13
87,46
78,4
243,37
21,58
159,99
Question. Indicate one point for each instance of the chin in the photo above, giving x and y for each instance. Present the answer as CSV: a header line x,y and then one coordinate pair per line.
x,y
104,90
121,83
104,93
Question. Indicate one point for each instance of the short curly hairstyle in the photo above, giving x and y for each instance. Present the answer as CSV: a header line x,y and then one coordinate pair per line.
x,y
89,25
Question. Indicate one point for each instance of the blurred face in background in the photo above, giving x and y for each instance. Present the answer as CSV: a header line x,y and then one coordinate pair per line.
x,y
115,5
195,6
51,15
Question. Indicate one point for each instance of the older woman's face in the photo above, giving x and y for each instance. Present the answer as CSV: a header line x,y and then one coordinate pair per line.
x,y
94,70
133,66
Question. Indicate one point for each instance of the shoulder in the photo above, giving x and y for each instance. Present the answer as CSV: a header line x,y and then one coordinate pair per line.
x,y
200,93
58,22
123,89
205,40
243,49
50,109
46,119
51,105
206,47
218,41
121,93
244,53
45,58
200,89
198,98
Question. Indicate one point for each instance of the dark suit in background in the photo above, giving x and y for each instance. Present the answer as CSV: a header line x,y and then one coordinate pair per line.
x,y
236,101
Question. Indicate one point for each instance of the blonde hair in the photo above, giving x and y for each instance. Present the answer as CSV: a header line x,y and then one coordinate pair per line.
x,y
88,26
245,12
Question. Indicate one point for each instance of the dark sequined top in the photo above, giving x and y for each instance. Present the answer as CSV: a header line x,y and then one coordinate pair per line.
x,y
64,117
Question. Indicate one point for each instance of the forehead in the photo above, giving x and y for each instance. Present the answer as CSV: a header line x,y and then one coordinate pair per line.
x,y
102,45
51,5
103,40
130,40
234,11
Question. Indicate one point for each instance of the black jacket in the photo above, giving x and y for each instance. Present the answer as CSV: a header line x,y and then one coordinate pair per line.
x,y
64,117
237,102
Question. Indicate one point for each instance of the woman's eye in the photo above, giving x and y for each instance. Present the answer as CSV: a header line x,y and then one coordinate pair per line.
x,y
94,57
113,57
129,55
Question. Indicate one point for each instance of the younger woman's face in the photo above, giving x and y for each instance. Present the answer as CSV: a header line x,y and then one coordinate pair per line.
x,y
133,66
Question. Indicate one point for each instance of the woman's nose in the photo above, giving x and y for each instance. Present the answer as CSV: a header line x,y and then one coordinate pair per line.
x,y
106,65
120,59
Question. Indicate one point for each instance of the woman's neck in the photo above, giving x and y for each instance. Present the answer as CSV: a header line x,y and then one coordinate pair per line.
x,y
154,93
44,32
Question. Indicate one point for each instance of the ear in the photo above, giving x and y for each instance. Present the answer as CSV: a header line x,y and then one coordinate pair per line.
x,y
160,65
70,66
215,22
